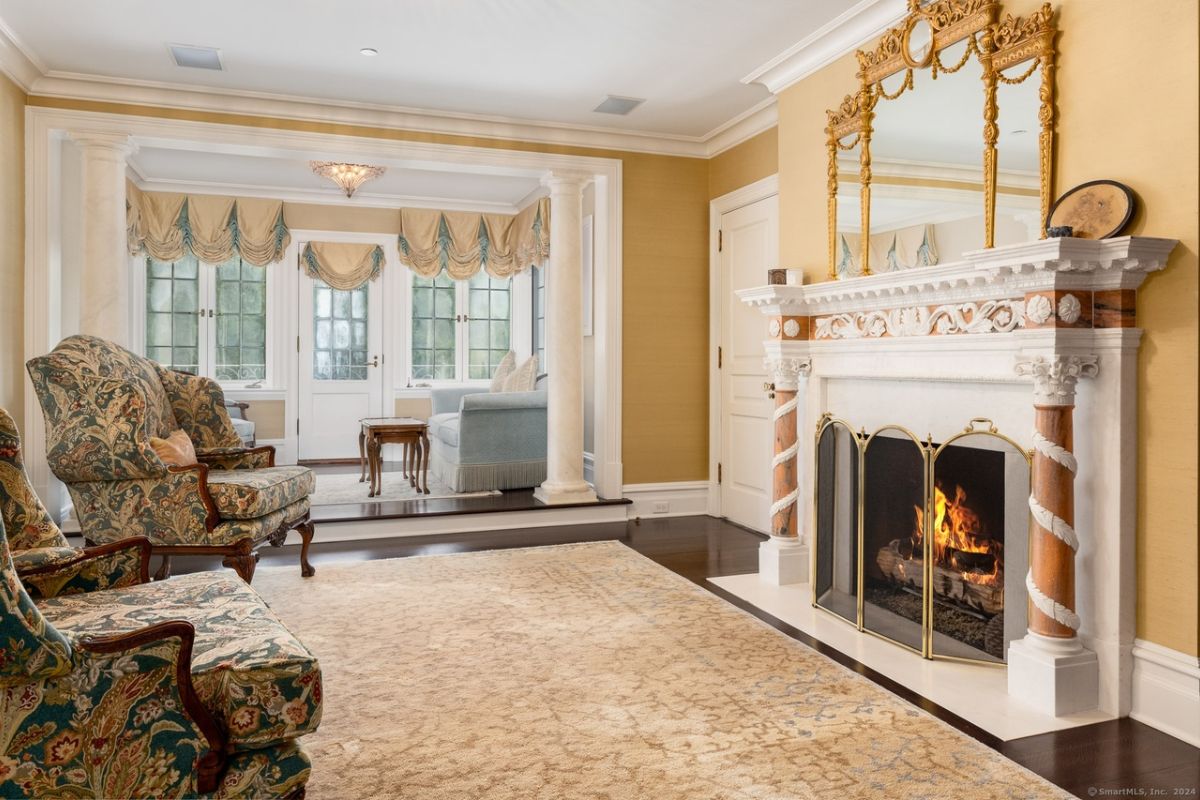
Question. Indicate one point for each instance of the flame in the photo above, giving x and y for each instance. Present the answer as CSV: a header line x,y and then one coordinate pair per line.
x,y
957,527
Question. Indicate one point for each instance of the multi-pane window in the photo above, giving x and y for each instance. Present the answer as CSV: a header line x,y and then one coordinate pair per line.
x,y
339,333
433,328
448,344
173,313
208,319
539,316
488,324
241,318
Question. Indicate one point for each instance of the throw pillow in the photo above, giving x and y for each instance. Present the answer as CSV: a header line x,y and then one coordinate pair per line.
x,y
524,377
503,370
176,450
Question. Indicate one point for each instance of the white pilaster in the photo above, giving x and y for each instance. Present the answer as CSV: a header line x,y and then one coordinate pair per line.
x,y
564,344
104,309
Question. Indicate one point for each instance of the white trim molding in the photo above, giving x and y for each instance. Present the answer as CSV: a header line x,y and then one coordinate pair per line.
x,y
17,60
849,30
674,499
1166,690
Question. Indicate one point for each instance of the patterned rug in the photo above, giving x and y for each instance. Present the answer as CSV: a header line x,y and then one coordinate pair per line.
x,y
588,671
338,488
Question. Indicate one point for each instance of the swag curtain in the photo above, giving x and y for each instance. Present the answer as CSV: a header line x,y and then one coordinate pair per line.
x,y
342,265
165,225
891,251
462,242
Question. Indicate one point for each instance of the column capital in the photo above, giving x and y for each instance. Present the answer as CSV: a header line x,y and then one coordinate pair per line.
x,y
786,371
117,143
566,180
1055,376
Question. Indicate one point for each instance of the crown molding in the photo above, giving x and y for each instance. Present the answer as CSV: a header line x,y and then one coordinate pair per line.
x,y
18,61
849,30
753,121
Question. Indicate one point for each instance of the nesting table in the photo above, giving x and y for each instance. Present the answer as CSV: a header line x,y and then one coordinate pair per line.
x,y
374,432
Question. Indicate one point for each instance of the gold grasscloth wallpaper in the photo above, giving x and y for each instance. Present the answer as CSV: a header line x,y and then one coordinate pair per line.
x,y
1114,65
752,160
12,247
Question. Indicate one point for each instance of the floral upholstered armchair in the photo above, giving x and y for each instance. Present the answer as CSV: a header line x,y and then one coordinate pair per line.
x,y
102,405
113,686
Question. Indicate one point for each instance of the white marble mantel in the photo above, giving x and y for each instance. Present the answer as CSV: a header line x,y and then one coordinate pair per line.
x,y
931,348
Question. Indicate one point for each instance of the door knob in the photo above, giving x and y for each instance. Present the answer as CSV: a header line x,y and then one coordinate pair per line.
x,y
374,362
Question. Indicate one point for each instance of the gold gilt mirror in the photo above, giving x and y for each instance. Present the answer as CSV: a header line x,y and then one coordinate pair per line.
x,y
947,144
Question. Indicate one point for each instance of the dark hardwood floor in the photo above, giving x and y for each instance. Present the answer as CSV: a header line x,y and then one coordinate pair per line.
x,y
1112,759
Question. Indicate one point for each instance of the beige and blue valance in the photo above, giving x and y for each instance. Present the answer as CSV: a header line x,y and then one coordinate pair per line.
x,y
463,242
342,265
904,248
166,225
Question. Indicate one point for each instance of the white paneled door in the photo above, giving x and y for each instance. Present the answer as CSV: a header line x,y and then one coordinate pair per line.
x,y
749,247
341,374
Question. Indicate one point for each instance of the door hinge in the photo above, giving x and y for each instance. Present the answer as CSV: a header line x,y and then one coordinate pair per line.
x,y
720,357
297,344
720,240
297,426
719,471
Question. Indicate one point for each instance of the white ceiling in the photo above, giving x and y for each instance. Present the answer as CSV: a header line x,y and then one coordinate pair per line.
x,y
534,60
164,169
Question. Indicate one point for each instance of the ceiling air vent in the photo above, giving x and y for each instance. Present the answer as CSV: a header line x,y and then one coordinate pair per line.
x,y
613,104
187,55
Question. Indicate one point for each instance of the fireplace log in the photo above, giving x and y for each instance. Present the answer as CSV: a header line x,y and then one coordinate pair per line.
x,y
948,584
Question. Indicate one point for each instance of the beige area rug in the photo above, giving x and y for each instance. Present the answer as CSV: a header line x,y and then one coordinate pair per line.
x,y
340,488
588,671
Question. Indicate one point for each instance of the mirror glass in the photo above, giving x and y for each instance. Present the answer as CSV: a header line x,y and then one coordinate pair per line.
x,y
847,251
919,40
1018,181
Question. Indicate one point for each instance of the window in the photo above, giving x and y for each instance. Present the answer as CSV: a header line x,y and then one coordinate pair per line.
x,y
208,319
339,333
449,345
539,316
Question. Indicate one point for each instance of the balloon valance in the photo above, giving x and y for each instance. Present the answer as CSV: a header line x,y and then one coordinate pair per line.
x,y
166,225
342,265
463,242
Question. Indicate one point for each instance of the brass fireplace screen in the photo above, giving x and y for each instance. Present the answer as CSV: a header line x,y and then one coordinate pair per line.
x,y
920,542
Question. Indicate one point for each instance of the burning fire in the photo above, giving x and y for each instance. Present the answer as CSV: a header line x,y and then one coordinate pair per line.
x,y
958,529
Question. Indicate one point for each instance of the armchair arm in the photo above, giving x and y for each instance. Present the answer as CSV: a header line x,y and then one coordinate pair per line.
x,y
174,509
238,457
106,566
499,401
448,400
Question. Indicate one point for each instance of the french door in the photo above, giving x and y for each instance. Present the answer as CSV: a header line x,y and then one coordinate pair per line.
x,y
341,366
750,245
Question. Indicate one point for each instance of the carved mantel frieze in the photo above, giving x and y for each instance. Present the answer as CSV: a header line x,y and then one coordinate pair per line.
x,y
1055,376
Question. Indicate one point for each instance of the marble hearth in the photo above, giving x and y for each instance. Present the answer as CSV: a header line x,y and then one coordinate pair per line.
x,y
1041,339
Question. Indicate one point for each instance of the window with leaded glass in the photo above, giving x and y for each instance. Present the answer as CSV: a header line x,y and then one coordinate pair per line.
x,y
488,324
241,322
539,316
339,333
173,313
434,314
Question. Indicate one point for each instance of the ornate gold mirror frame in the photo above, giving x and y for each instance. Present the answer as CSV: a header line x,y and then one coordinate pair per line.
x,y
999,44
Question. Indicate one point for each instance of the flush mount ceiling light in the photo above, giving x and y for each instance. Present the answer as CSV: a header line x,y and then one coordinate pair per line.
x,y
187,55
348,177
614,104
369,51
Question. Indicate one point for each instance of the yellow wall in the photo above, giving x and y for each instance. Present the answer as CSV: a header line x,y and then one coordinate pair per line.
x,y
12,247
1115,63
665,422
752,160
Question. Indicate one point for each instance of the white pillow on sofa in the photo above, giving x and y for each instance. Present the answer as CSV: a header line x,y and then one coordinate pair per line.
x,y
524,377
503,370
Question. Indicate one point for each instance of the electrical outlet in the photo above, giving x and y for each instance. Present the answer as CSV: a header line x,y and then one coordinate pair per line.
x,y
662,507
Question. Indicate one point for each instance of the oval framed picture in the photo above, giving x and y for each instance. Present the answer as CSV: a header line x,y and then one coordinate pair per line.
x,y
1094,210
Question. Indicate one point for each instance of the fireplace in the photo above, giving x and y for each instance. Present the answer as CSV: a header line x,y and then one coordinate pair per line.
x,y
923,543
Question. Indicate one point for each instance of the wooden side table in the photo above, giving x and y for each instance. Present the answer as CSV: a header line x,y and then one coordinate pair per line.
x,y
374,432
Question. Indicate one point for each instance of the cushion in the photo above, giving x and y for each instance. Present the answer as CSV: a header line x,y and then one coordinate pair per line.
x,y
249,670
247,494
524,377
503,370
445,428
229,531
176,450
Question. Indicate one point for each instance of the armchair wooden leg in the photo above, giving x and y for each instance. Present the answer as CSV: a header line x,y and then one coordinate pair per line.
x,y
243,561
306,531
164,569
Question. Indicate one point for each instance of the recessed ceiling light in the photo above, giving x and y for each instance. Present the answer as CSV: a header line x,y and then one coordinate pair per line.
x,y
369,51
615,104
187,55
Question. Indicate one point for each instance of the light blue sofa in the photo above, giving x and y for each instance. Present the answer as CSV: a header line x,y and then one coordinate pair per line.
x,y
482,440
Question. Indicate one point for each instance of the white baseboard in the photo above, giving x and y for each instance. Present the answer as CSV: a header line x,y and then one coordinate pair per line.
x,y
1166,690
363,530
678,499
